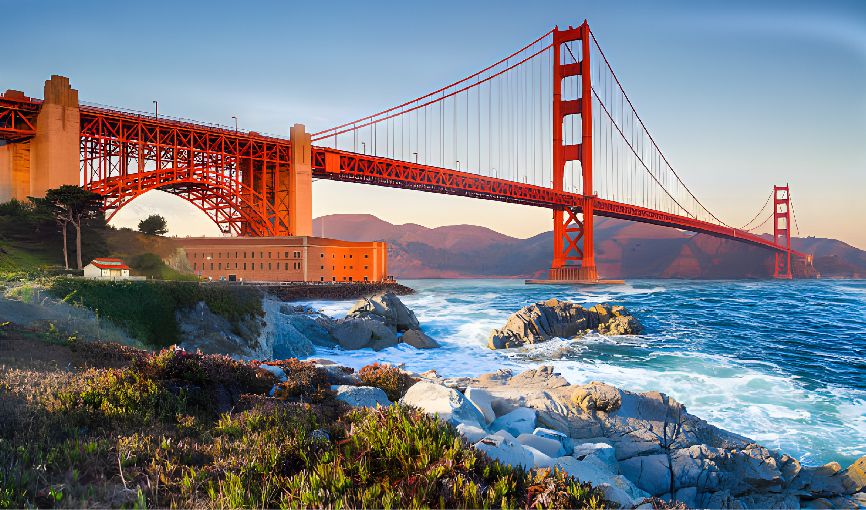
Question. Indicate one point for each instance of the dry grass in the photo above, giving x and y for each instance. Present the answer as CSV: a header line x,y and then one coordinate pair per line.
x,y
137,429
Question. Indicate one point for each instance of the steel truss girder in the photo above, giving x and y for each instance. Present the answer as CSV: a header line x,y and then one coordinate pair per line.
x,y
239,180
18,119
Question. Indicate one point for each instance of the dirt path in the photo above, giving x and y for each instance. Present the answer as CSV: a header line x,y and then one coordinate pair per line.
x,y
26,314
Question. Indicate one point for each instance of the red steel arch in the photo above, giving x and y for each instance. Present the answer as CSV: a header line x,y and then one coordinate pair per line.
x,y
240,180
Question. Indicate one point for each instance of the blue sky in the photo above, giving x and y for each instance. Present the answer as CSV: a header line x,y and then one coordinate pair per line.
x,y
739,95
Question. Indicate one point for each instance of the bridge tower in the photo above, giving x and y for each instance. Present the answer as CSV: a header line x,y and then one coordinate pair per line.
x,y
782,230
565,236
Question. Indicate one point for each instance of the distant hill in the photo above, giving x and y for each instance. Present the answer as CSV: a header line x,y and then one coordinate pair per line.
x,y
624,249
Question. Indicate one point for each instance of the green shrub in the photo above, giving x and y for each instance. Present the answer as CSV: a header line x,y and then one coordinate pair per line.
x,y
122,438
147,309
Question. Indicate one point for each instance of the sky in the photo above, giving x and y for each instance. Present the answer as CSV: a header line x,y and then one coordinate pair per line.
x,y
739,95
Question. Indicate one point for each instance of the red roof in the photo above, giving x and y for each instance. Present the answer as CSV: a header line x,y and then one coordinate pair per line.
x,y
96,263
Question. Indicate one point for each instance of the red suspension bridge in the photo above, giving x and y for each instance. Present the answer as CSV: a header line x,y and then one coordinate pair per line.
x,y
548,126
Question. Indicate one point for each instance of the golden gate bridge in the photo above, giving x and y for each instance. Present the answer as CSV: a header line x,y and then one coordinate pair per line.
x,y
549,126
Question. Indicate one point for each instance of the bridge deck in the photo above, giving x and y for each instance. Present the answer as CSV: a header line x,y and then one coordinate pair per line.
x,y
352,167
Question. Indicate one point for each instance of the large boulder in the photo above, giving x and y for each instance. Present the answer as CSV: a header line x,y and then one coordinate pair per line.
x,y
503,447
418,340
289,342
362,396
520,421
387,308
597,397
449,404
355,333
312,330
539,322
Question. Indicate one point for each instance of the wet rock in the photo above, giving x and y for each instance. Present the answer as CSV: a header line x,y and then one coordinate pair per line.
x,y
389,309
449,404
542,321
354,333
362,396
853,478
288,342
627,325
312,330
418,340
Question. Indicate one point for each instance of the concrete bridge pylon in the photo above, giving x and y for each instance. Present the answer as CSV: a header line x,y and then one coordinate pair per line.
x,y
47,157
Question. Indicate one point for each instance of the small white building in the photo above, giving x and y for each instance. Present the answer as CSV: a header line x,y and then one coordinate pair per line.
x,y
106,269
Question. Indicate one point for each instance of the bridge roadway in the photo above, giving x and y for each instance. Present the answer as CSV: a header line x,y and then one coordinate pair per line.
x,y
352,167
337,165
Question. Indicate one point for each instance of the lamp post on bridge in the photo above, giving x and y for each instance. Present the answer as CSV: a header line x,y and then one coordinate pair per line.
x,y
236,123
155,110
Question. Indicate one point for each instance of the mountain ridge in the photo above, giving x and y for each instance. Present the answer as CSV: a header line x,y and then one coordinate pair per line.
x,y
624,249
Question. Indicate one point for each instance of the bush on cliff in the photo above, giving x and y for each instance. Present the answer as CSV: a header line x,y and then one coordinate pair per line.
x,y
135,434
147,309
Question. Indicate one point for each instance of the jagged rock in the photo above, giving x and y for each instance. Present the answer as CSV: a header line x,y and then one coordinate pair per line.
x,y
354,333
597,397
449,404
549,447
622,325
471,433
539,322
418,340
519,421
650,473
290,343
615,495
505,448
559,437
853,478
389,309
481,399
362,396
312,330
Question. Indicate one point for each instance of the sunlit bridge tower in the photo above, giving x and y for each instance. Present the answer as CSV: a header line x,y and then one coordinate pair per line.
x,y
782,230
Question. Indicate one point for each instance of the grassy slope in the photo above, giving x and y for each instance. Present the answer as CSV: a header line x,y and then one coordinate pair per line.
x,y
151,430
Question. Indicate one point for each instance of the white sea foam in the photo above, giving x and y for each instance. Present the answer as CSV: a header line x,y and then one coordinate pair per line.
x,y
751,397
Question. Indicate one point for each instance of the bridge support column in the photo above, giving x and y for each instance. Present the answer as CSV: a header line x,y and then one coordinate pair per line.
x,y
55,151
14,171
565,245
301,183
782,231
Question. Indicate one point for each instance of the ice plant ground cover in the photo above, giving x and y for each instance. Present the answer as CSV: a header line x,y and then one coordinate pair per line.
x,y
93,424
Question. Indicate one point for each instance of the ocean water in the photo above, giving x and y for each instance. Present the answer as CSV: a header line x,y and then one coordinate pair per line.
x,y
781,362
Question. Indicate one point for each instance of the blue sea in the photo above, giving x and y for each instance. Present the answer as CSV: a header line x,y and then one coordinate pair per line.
x,y
781,362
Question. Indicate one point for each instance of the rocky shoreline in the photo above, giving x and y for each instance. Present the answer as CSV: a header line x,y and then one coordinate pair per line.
x,y
635,447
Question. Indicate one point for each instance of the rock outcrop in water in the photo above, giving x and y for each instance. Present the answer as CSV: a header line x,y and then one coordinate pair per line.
x,y
553,318
633,446
294,331
378,322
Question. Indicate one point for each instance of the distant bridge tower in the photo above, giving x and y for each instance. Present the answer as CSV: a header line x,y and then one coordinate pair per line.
x,y
782,230
566,239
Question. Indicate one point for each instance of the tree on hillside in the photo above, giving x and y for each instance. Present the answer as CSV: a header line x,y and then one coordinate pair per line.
x,y
72,204
154,225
